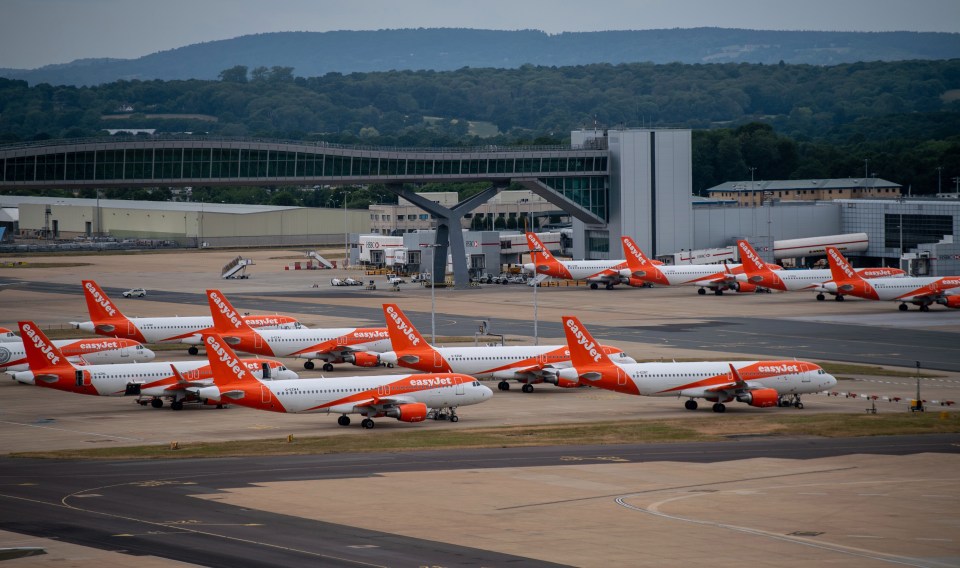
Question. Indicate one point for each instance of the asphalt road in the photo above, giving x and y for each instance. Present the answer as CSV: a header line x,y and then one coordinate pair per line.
x,y
146,507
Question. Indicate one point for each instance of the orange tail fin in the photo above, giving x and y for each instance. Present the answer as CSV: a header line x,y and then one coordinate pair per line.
x,y
840,268
585,352
226,367
640,266
404,337
542,256
225,317
101,309
756,270
42,355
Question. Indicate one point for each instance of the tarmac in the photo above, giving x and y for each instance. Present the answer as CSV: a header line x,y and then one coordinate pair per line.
x,y
853,510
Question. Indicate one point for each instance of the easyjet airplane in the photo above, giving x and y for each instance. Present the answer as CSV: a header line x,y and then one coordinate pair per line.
x,y
716,277
7,335
920,291
596,272
528,364
13,355
358,345
109,321
50,368
408,398
757,383
758,273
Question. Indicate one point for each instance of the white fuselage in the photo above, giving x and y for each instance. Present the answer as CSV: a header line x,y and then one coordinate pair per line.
x,y
175,329
155,378
310,343
13,357
345,395
501,362
696,274
905,287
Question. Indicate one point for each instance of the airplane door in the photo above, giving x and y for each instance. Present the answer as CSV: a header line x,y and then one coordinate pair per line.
x,y
131,329
267,372
383,390
621,377
459,383
437,360
342,340
266,395
257,341
124,352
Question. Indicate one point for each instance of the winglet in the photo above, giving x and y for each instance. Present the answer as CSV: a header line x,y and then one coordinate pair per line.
x,y
42,355
225,317
737,379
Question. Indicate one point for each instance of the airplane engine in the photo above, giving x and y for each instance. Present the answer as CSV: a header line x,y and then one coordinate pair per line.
x,y
951,302
413,412
761,398
637,282
361,359
747,288
566,383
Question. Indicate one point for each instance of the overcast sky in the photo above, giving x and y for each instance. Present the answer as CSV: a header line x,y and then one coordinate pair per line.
x,y
34,33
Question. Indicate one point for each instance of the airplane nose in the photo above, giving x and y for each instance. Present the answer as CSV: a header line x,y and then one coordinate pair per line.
x,y
148,354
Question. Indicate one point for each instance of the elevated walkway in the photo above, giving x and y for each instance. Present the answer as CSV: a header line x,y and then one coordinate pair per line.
x,y
236,268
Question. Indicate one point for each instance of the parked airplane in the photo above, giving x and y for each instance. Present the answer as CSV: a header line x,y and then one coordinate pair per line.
x,y
757,383
920,291
716,277
109,321
528,364
13,355
408,398
358,345
758,273
50,368
7,335
596,272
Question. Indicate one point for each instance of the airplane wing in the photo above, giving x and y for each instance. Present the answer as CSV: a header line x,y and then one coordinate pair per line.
x,y
375,404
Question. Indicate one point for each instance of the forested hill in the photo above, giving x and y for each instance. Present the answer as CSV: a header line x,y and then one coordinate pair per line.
x,y
313,54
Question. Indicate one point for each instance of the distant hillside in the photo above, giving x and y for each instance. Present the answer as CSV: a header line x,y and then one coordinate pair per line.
x,y
313,54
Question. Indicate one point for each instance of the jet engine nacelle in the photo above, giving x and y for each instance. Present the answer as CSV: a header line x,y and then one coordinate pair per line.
x,y
566,383
950,302
413,412
361,359
746,287
761,397
638,282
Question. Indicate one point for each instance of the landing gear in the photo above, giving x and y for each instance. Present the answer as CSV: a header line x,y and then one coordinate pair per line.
x,y
904,307
701,291
193,350
327,367
718,292
444,414
308,365
593,286
609,286
176,405
454,418
343,420
821,297
527,388
157,403
719,407
503,385
924,308
367,423
839,297
690,404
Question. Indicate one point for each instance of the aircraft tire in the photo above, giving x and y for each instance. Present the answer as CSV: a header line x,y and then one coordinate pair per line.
x,y
454,418
328,367
719,407
821,297
904,307
157,403
527,388
308,365
343,420
503,385
176,405
367,423
193,350
690,404
701,291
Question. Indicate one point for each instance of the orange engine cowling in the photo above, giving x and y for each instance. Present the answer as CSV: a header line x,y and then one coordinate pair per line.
x,y
413,412
361,359
952,302
637,282
760,397
566,383
746,287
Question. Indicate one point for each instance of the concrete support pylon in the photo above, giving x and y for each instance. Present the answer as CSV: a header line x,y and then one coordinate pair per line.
x,y
449,235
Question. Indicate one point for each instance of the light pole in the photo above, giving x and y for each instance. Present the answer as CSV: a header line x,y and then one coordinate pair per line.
x,y
939,179
536,336
866,169
346,238
433,281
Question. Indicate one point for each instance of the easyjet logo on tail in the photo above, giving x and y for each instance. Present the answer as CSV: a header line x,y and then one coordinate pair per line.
x,y
100,299
750,254
404,327
229,360
226,310
588,346
535,243
48,351
634,250
842,264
